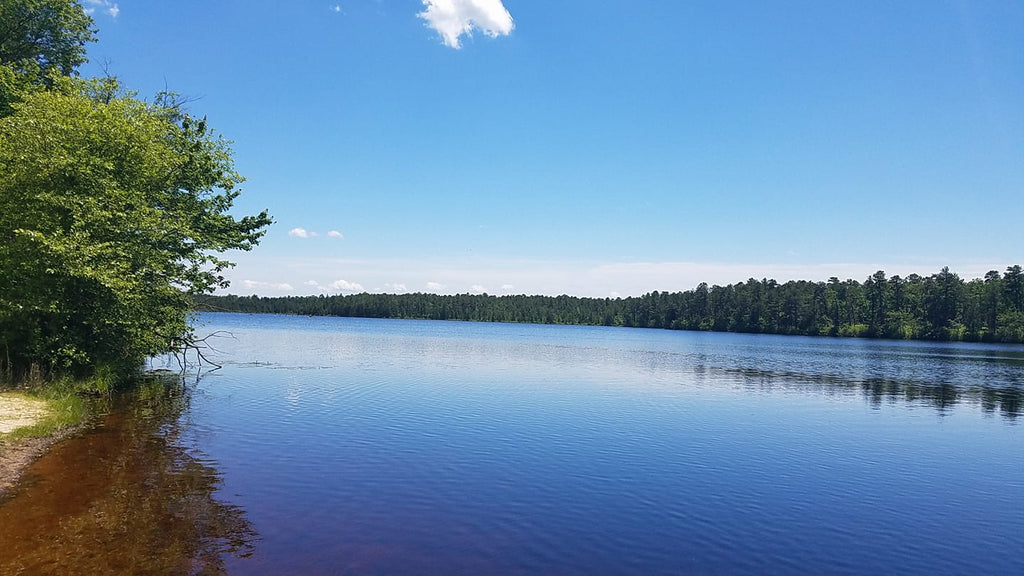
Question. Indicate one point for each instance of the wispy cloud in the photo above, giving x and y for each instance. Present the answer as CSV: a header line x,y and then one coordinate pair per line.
x,y
105,6
317,275
264,286
453,18
298,233
335,234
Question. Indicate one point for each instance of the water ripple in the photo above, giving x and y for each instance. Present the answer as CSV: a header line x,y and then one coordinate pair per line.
x,y
396,447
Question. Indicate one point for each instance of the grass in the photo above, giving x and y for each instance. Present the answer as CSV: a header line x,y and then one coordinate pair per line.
x,y
71,402
64,405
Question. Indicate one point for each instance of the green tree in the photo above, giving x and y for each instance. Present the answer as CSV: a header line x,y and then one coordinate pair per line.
x,y
1013,286
1011,319
44,36
990,306
40,40
943,300
111,213
876,291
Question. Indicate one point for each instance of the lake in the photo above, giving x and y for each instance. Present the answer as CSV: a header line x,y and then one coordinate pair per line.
x,y
358,446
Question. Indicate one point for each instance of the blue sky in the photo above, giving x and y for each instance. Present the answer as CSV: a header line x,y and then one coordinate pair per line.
x,y
598,148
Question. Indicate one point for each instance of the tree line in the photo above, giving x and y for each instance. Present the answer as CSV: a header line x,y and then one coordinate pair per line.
x,y
112,208
938,307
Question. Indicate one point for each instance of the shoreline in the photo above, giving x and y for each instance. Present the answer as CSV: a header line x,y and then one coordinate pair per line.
x,y
29,428
16,456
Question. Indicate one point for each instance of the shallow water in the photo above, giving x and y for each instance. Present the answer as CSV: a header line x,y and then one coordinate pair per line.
x,y
126,497
358,446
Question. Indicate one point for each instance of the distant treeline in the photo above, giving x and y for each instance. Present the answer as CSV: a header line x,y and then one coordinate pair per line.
x,y
937,307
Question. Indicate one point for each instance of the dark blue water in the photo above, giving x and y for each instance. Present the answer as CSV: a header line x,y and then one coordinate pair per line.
x,y
406,447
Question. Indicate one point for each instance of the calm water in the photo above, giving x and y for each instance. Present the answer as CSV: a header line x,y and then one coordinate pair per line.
x,y
354,446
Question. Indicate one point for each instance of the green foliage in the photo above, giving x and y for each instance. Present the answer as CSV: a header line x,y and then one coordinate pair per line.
x,y
110,211
940,307
38,37
13,86
41,41
902,325
1010,327
854,330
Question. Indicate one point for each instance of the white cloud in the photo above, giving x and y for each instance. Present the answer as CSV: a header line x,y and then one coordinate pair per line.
x,y
314,287
314,274
336,8
453,18
303,233
106,6
507,288
477,289
263,286
395,288
346,286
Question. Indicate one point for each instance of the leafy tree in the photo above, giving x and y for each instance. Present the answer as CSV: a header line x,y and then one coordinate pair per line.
x,y
944,293
40,40
1010,321
110,212
1013,285
111,209
991,303
876,292
44,36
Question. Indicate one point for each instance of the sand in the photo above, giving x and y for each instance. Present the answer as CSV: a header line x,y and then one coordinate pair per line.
x,y
17,411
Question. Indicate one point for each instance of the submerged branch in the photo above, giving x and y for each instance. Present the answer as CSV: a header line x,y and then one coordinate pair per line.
x,y
181,346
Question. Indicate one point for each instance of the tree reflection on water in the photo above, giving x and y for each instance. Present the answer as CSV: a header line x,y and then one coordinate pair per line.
x,y
126,497
1005,398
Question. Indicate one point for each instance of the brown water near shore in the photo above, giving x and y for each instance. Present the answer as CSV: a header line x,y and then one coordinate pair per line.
x,y
124,497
